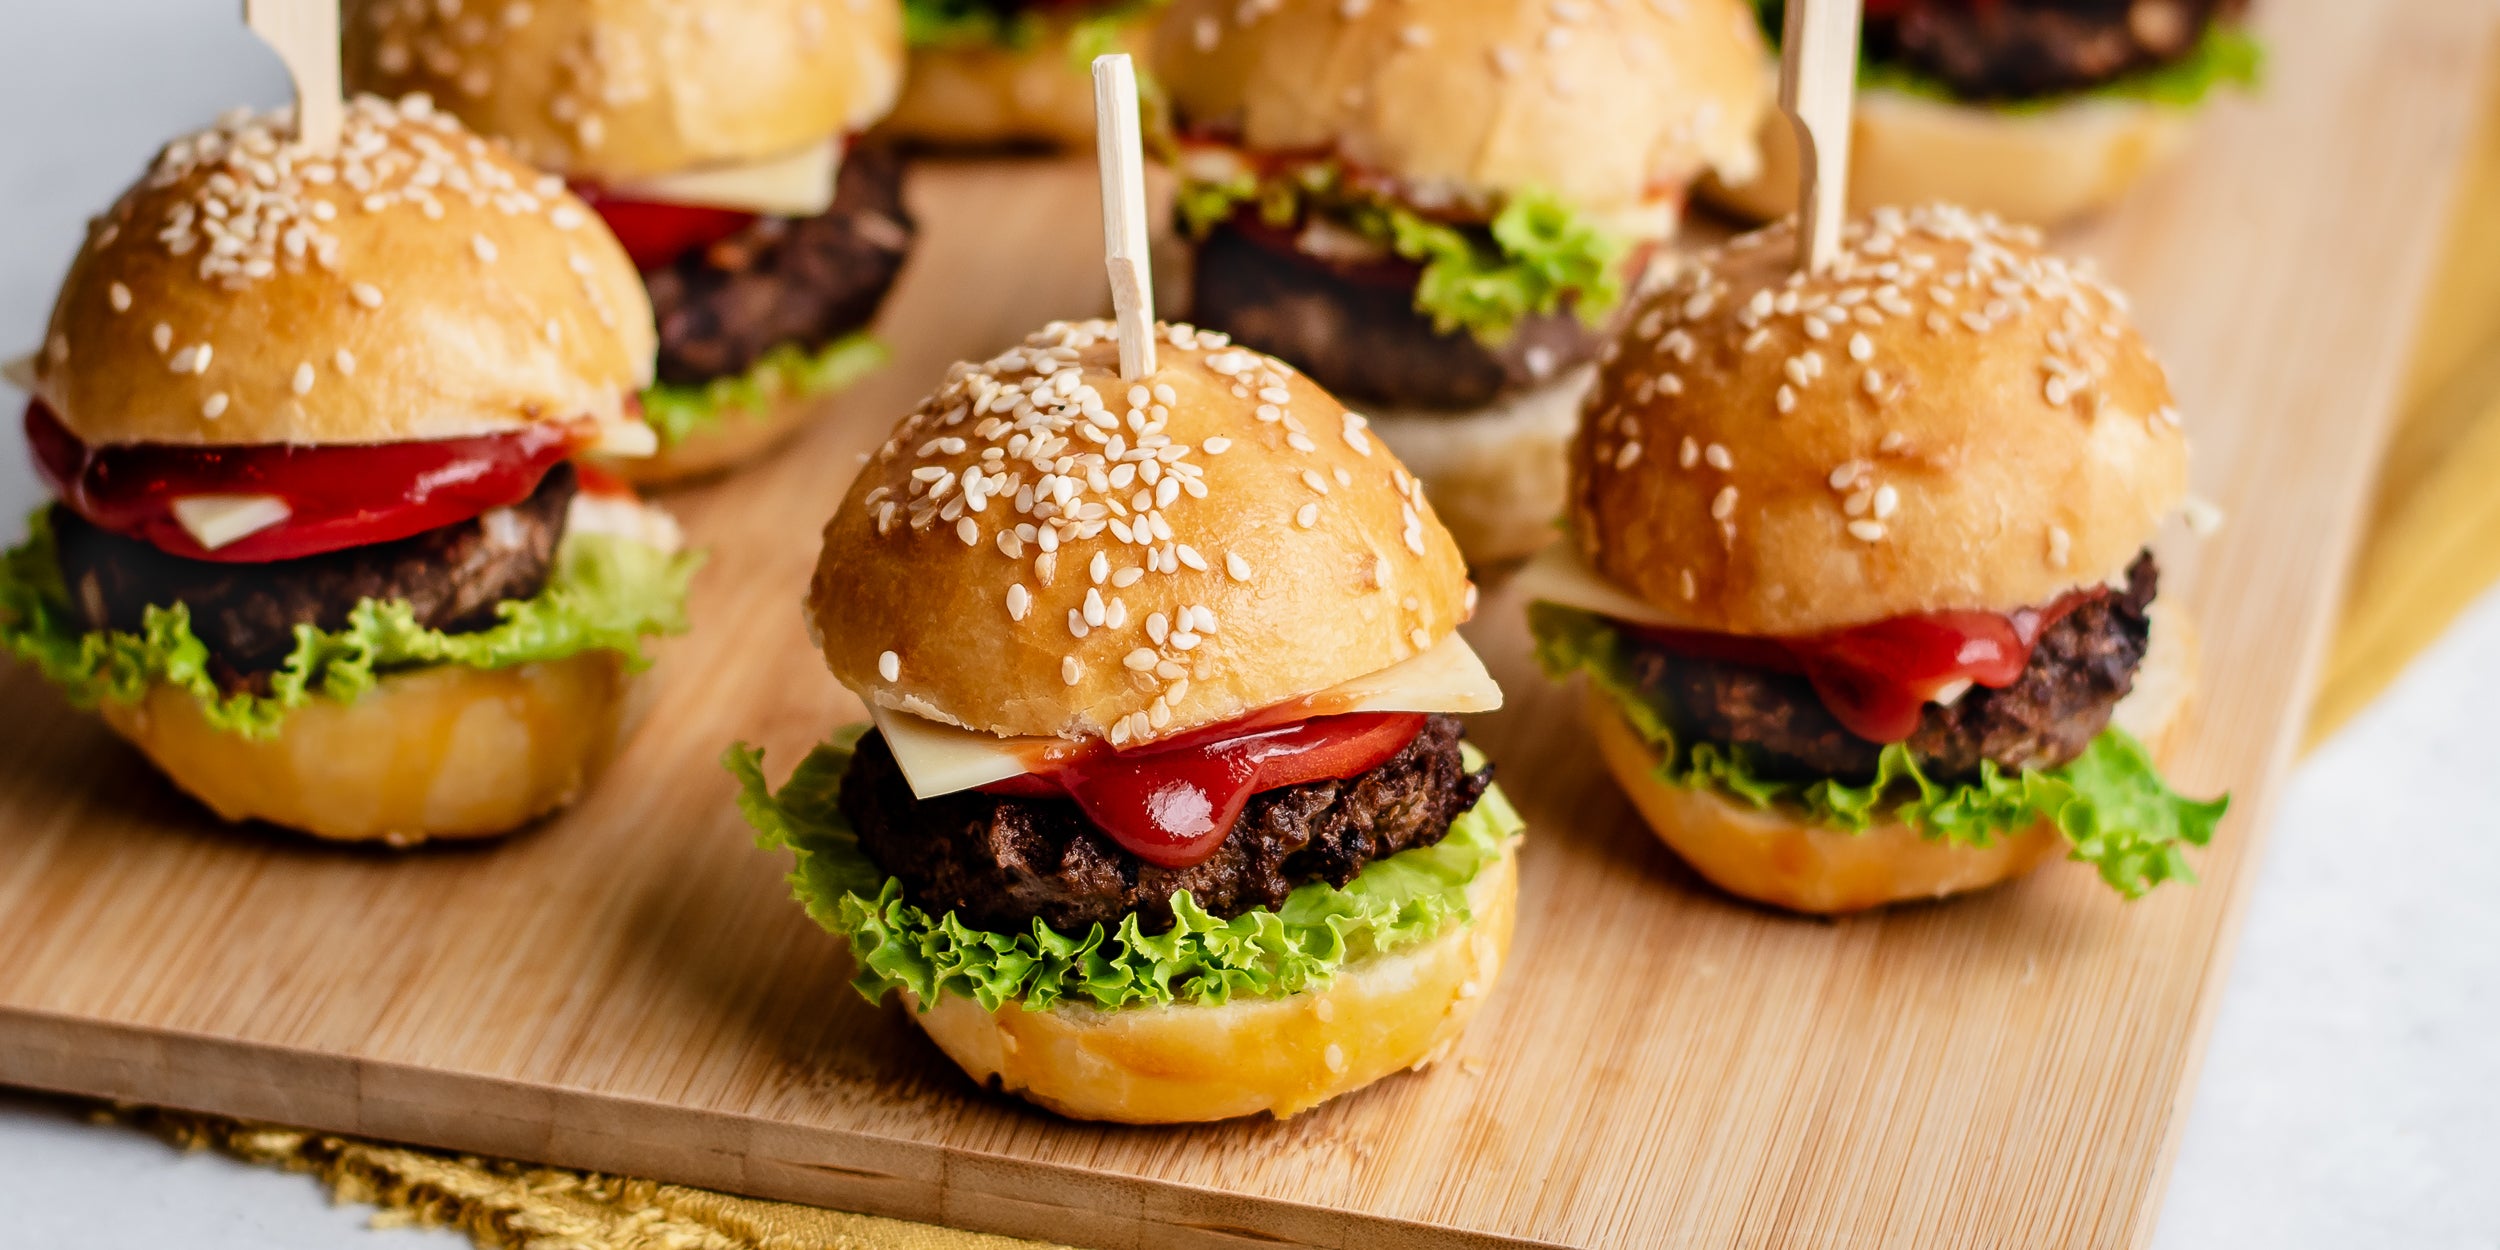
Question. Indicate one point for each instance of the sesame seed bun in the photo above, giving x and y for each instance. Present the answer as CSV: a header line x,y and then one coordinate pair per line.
x,y
989,95
623,89
1982,429
1299,549
417,284
434,753
1603,105
1777,857
2038,165
1189,1063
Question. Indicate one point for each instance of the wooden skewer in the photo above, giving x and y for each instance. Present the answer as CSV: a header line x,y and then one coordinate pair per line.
x,y
1818,80
306,35
1122,153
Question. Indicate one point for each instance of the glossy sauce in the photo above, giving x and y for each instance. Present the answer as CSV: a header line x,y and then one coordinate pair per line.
x,y
656,234
337,495
1172,803
1878,679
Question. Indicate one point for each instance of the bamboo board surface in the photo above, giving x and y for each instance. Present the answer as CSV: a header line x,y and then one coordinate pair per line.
x,y
626,988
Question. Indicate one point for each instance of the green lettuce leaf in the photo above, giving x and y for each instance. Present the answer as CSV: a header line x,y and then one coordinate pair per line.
x,y
605,593
1541,255
1394,903
2228,56
989,23
675,411
2111,803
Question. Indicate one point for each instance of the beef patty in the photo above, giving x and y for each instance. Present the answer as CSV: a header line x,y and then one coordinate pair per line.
x,y
246,614
2025,49
1000,862
802,280
2084,664
1361,337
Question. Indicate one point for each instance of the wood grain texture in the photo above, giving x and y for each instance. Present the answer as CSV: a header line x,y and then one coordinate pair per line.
x,y
626,988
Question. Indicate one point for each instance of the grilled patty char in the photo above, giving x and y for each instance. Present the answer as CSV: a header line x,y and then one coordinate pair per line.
x,y
2026,49
2084,664
807,280
246,614
999,862
1361,337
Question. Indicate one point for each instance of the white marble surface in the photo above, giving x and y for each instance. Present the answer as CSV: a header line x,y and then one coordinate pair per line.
x,y
2351,1096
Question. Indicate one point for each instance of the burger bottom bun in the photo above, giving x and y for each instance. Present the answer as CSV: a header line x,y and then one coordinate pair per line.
x,y
443,752
1776,858
736,437
1188,1063
1496,476
971,97
2041,167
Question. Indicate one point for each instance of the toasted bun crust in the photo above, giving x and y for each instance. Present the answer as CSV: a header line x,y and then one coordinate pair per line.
x,y
618,89
1497,473
725,444
443,752
1303,553
351,313
1188,1064
1777,858
1603,105
985,96
2043,166
2006,436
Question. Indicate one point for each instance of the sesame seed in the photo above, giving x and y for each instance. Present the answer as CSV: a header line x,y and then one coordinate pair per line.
x,y
162,336
1627,455
1685,584
1307,515
1140,660
366,294
1872,381
1421,639
1216,446
484,248
1886,500
345,362
1867,531
966,530
1723,505
1070,670
1235,567
1019,601
1689,454
120,297
215,407
2061,545
1786,399
1719,457
303,382
889,666
1861,348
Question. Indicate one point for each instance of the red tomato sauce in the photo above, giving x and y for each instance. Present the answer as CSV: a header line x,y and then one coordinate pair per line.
x,y
1171,803
1877,679
656,234
337,496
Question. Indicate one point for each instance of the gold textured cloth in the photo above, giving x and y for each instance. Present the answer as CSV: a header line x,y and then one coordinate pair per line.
x,y
2432,546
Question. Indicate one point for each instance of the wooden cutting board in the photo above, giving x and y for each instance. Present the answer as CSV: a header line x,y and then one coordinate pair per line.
x,y
627,988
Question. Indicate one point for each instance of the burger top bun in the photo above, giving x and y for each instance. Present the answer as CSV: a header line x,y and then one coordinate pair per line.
x,y
1600,104
619,89
1946,418
416,283
1044,549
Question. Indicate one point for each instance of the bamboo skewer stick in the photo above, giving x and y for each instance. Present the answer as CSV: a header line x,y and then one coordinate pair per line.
x,y
1121,151
1818,80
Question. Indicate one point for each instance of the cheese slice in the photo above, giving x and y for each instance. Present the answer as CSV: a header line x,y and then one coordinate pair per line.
x,y
797,185
1558,575
942,759
630,439
214,521
19,371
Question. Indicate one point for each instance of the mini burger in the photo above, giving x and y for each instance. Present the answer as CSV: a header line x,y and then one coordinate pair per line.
x,y
321,550
1434,209
998,73
714,139
1857,569
2038,110
1165,814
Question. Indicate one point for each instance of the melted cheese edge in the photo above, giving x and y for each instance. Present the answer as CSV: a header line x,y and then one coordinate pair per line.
x,y
797,185
1559,576
943,759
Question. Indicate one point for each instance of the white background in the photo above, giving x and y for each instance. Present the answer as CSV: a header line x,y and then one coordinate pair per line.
x,y
2351,1095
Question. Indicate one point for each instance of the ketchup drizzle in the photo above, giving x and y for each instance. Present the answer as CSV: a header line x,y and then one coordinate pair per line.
x,y
1172,803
